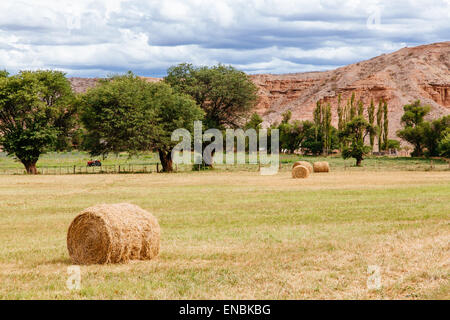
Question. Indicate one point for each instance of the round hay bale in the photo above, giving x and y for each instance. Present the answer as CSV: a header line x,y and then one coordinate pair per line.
x,y
300,172
305,164
321,166
113,233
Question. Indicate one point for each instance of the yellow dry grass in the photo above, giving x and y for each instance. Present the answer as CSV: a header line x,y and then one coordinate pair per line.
x,y
237,235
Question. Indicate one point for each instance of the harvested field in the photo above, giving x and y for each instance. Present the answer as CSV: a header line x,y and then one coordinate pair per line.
x,y
237,235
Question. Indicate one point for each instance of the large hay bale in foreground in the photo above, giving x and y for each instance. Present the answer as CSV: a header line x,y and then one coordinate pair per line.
x,y
113,233
321,166
300,172
305,164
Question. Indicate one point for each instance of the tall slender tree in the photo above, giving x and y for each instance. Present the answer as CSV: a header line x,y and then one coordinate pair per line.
x,y
385,126
340,111
327,129
380,125
360,108
352,107
371,122
318,120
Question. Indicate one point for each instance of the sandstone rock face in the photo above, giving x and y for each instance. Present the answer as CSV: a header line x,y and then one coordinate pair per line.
x,y
399,78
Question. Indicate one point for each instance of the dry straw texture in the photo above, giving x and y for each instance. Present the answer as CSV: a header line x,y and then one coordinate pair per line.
x,y
305,164
113,233
321,166
300,172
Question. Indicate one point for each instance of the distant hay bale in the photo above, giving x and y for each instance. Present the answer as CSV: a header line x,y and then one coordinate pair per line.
x,y
321,166
113,233
305,164
300,172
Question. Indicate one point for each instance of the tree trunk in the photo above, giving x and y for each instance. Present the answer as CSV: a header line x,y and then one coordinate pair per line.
x,y
358,162
30,167
166,160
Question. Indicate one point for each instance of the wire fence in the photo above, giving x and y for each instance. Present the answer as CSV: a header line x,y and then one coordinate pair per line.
x,y
105,169
155,167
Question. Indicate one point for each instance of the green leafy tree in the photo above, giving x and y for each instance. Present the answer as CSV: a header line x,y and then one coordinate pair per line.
x,y
360,108
413,130
292,133
327,129
126,113
255,122
173,111
352,107
380,126
310,144
341,120
371,114
385,124
323,129
355,132
36,109
432,134
444,144
226,94
391,144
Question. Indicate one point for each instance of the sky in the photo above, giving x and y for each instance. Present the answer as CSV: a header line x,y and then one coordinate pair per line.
x,y
102,37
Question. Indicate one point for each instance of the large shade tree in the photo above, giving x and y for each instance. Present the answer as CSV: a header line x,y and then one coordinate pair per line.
x,y
126,113
413,130
36,109
226,94
354,134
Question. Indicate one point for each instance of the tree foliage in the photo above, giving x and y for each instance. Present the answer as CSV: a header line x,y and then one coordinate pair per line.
x,y
226,94
371,114
323,128
413,130
126,113
444,144
36,110
355,133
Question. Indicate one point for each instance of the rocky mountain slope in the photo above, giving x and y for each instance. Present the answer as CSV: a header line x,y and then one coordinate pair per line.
x,y
399,78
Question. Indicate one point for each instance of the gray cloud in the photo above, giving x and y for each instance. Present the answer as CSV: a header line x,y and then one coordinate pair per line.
x,y
95,38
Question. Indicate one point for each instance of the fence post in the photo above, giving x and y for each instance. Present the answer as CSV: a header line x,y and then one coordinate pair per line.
x,y
157,167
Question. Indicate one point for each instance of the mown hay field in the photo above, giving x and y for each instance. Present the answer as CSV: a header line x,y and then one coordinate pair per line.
x,y
237,235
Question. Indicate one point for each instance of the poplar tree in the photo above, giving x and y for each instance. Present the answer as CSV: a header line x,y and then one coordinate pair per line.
x,y
371,122
341,119
352,108
385,126
360,108
380,125
327,128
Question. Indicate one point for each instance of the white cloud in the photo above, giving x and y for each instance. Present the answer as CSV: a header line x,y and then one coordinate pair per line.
x,y
94,38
